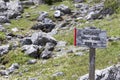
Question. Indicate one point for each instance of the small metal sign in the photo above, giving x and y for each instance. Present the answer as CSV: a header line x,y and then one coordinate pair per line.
x,y
90,37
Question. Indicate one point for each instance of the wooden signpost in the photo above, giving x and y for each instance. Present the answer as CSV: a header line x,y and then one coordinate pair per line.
x,y
93,38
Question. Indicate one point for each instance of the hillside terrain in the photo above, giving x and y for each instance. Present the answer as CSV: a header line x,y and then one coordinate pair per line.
x,y
36,39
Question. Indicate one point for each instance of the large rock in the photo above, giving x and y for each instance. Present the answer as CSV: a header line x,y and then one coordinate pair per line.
x,y
10,70
15,9
42,16
15,6
40,38
46,54
64,9
26,41
49,46
107,11
45,27
110,73
95,12
4,49
12,14
3,6
93,15
4,19
31,50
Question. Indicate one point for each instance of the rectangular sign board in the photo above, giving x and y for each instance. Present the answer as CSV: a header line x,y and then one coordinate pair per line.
x,y
90,37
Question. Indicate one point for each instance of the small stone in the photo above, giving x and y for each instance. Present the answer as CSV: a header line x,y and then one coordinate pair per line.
x,y
70,51
15,29
33,61
57,13
33,79
58,74
78,54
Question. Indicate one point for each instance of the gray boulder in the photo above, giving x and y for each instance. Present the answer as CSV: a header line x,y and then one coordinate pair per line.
x,y
64,9
46,54
42,16
92,16
3,6
4,49
15,6
40,38
4,19
12,14
31,50
15,9
94,12
10,70
49,46
110,73
106,11
47,21
26,41
45,27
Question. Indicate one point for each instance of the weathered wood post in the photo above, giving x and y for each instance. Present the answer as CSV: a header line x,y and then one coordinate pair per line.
x,y
92,38
92,64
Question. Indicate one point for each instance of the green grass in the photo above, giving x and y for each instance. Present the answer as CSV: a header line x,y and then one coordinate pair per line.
x,y
72,66
14,56
2,36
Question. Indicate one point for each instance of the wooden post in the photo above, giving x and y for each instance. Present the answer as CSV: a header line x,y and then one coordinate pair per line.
x,y
92,64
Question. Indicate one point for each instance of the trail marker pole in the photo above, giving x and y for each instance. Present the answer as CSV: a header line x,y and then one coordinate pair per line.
x,y
92,38
92,64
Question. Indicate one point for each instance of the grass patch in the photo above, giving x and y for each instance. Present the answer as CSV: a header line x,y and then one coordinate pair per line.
x,y
2,36
14,56
65,36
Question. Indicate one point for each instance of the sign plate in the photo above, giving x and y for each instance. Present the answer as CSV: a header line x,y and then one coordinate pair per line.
x,y
91,37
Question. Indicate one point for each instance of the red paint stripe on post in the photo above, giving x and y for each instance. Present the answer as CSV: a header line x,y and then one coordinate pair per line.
x,y
75,36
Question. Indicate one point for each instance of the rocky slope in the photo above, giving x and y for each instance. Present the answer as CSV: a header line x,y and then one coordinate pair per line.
x,y
28,31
